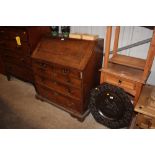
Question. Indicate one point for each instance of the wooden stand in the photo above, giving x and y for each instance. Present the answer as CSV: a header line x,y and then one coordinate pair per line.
x,y
127,72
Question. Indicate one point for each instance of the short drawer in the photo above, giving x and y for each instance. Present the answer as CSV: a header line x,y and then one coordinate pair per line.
x,y
12,33
59,99
12,45
145,122
119,82
59,87
42,68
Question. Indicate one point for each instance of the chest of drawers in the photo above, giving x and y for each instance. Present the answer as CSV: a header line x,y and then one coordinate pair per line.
x,y
145,109
65,71
16,46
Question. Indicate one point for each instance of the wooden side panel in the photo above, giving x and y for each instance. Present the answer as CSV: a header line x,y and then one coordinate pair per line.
x,y
35,34
91,75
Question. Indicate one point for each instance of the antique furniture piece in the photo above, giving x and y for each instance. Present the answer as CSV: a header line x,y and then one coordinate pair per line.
x,y
65,71
145,107
127,72
16,46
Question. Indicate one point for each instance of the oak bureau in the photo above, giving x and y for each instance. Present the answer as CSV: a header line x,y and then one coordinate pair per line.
x,y
65,71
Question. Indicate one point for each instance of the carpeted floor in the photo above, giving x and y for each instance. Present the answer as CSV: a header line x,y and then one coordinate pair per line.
x,y
19,109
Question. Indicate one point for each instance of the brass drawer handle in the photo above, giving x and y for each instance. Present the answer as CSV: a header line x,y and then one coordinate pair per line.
x,y
42,65
119,81
65,71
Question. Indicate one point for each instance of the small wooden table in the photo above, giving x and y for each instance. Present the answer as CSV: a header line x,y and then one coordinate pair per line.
x,y
124,71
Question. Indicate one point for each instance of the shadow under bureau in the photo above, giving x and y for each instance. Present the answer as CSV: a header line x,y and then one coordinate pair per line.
x,y
65,71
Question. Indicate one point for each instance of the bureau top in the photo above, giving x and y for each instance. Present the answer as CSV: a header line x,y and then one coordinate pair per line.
x,y
72,53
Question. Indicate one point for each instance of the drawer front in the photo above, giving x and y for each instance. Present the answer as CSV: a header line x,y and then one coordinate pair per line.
x,y
145,122
17,59
59,87
51,72
20,72
119,82
59,99
12,33
43,69
12,45
69,80
67,71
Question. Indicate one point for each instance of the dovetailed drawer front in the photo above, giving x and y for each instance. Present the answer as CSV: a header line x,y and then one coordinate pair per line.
x,y
119,82
10,33
68,80
145,122
59,99
48,94
51,72
59,87
42,68
12,45
67,71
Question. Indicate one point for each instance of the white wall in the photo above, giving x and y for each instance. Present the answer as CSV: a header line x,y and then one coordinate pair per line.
x,y
128,35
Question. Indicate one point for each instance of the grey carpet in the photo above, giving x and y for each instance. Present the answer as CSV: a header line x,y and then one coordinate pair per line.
x,y
19,109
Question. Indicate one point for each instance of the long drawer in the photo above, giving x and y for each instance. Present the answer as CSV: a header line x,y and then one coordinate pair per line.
x,y
68,80
57,69
59,99
67,71
12,33
59,87
57,73
17,71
